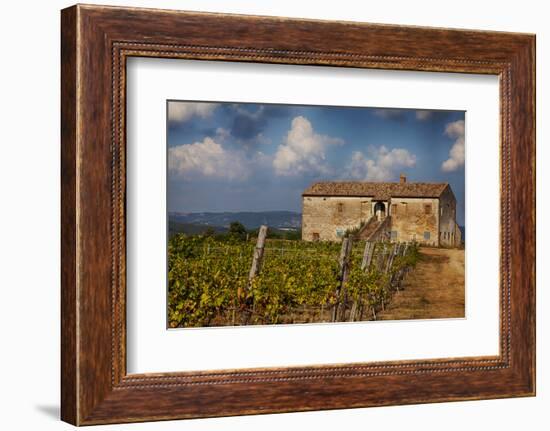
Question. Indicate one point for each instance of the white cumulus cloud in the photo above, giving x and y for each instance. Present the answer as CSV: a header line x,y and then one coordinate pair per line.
x,y
455,130
207,158
303,150
382,165
183,111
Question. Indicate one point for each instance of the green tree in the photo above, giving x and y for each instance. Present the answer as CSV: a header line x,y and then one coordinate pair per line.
x,y
237,231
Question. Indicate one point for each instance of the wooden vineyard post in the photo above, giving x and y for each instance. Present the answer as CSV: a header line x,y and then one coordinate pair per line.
x,y
344,271
258,255
353,311
382,264
403,270
257,258
391,255
380,258
367,255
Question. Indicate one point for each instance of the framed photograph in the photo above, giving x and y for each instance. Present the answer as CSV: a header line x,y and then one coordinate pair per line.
x,y
292,214
266,215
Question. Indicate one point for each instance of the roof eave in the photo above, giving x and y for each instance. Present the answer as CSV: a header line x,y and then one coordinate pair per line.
x,y
343,195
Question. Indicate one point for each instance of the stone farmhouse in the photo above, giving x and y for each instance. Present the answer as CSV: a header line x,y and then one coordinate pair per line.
x,y
399,211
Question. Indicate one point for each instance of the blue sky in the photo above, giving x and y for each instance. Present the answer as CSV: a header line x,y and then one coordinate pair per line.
x,y
260,157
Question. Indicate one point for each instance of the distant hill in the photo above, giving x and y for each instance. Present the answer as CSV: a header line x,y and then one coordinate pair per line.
x,y
282,220
175,227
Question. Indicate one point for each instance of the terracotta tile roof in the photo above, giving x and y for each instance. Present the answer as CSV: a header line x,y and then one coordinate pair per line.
x,y
379,191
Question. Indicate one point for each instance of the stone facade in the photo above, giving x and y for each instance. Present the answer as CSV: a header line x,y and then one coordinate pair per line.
x,y
421,212
449,232
327,218
414,219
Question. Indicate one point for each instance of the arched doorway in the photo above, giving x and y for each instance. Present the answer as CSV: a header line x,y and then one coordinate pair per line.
x,y
380,210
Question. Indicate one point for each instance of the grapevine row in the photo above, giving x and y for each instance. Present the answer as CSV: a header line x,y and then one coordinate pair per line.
x,y
210,281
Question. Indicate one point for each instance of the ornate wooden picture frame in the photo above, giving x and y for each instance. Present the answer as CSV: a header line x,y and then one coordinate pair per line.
x,y
96,41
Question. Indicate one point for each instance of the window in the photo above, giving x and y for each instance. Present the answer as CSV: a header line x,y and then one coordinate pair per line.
x,y
315,236
340,232
393,235
340,207
426,236
427,208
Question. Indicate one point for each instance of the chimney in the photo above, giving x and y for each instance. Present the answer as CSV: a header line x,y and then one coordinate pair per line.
x,y
402,178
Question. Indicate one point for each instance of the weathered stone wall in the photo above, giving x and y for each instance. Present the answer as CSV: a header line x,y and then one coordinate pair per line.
x,y
327,218
458,236
415,219
448,235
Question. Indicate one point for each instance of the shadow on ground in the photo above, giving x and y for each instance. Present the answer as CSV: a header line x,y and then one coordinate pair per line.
x,y
52,411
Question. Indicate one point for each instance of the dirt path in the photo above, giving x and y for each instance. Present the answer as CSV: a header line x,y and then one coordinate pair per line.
x,y
434,289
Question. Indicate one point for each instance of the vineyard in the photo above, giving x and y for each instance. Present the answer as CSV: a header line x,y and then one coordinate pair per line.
x,y
215,282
